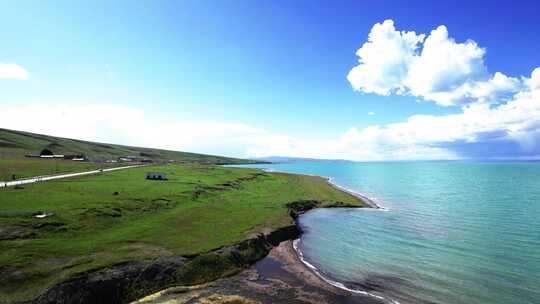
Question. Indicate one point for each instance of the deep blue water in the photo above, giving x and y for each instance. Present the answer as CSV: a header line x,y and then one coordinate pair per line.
x,y
454,232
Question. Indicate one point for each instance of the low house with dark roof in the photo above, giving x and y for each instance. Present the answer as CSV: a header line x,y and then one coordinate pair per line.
x,y
156,176
46,153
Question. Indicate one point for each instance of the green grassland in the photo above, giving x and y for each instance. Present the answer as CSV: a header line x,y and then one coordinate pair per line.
x,y
119,216
28,167
15,144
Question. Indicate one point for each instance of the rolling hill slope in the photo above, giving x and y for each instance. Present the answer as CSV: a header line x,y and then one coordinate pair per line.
x,y
15,144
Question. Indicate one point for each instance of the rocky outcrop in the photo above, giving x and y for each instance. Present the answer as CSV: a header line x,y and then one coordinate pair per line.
x,y
115,284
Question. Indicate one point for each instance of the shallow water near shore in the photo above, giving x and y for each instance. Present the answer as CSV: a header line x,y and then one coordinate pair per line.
x,y
453,232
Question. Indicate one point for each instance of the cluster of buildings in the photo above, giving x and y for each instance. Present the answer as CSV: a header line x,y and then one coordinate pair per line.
x,y
46,153
130,158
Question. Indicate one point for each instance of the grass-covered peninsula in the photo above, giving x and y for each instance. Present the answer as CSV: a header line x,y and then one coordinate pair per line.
x,y
107,226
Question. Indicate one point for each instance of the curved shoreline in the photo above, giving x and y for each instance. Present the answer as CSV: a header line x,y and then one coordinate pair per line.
x,y
300,256
290,257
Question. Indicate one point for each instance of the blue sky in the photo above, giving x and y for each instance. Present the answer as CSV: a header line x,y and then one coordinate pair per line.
x,y
263,78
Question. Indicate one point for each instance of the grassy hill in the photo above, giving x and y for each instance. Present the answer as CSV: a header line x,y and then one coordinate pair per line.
x,y
14,144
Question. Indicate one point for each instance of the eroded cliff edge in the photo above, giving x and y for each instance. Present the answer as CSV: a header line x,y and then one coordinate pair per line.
x,y
128,281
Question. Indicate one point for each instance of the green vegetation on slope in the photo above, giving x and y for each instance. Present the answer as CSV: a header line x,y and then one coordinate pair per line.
x,y
28,167
15,144
118,216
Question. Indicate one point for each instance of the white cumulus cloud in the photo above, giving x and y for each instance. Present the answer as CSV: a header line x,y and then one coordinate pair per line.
x,y
12,71
434,67
384,59
500,114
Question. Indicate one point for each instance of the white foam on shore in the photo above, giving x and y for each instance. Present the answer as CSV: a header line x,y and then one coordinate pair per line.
x,y
372,202
336,284
369,200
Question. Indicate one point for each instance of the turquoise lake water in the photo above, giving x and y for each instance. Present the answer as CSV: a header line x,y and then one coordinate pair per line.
x,y
453,232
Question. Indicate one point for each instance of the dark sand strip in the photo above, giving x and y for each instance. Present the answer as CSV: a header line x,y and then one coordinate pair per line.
x,y
279,278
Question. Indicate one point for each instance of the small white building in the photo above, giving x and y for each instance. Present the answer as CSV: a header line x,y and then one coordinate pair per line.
x,y
52,156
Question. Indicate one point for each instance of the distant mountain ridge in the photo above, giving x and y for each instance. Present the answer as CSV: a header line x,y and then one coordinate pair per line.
x,y
287,159
19,143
